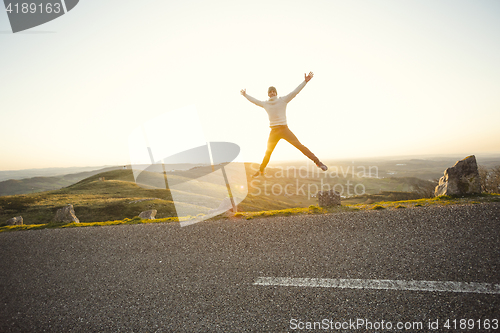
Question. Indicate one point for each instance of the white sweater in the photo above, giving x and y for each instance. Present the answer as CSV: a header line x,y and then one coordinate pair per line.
x,y
276,106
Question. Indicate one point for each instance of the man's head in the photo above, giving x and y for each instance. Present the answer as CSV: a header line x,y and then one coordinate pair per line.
x,y
271,92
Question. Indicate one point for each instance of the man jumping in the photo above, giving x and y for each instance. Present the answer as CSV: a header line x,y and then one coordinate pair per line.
x,y
276,110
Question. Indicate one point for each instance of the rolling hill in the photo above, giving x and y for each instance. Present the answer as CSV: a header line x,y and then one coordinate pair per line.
x,y
114,194
45,183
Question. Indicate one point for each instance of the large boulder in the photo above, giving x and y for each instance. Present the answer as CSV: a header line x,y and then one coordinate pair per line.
x,y
148,214
18,220
462,178
328,198
66,214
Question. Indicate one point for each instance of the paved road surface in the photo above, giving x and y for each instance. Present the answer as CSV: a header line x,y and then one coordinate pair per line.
x,y
201,278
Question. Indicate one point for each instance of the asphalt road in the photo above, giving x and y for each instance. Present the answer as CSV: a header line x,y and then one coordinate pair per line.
x,y
200,278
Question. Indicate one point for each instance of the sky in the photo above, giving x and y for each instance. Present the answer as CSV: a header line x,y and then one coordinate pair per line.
x,y
391,78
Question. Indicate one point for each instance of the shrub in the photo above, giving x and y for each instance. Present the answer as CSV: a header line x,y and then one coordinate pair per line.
x,y
314,208
490,179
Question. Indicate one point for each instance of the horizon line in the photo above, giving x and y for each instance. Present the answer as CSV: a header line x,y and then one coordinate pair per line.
x,y
413,156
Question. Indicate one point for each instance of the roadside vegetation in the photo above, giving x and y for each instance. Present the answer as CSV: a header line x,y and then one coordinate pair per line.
x,y
393,205
490,179
113,197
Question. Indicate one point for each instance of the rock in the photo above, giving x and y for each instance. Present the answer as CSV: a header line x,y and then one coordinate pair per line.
x,y
66,214
148,215
328,198
18,220
462,178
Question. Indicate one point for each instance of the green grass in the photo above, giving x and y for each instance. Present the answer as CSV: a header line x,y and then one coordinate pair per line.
x,y
438,201
135,220
291,211
119,200
118,197
441,201
93,200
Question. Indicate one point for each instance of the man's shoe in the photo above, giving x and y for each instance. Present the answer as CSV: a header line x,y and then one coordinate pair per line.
x,y
322,166
258,174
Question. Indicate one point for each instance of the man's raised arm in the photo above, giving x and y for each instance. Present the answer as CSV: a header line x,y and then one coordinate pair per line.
x,y
294,93
251,99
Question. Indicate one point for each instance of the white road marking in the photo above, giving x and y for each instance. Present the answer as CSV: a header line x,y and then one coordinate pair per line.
x,y
450,286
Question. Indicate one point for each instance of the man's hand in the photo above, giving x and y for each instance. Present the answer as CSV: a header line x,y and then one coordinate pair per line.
x,y
308,77
243,92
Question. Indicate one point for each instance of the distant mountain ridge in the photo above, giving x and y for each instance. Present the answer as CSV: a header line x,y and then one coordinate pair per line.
x,y
115,195
48,172
41,180
53,172
41,184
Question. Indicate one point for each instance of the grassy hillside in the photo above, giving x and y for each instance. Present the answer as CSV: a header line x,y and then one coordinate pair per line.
x,y
114,195
22,181
117,197
298,187
391,205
